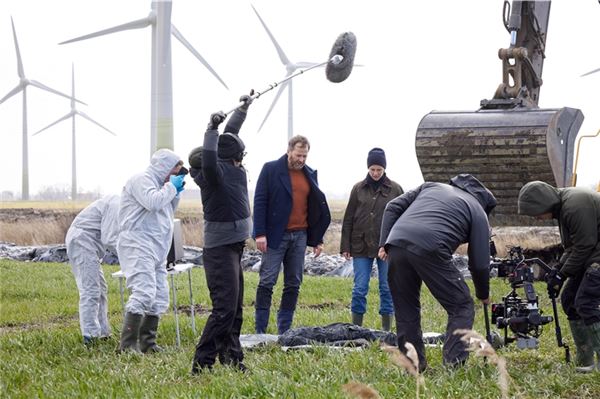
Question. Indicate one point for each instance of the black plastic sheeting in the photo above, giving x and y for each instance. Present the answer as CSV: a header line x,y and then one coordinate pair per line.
x,y
336,334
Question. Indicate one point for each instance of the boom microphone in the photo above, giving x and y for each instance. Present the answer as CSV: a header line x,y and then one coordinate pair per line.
x,y
338,66
345,47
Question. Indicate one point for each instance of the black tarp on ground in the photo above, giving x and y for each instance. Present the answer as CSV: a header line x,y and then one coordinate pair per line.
x,y
336,334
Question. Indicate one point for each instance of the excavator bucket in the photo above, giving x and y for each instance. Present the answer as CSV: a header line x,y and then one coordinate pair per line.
x,y
503,148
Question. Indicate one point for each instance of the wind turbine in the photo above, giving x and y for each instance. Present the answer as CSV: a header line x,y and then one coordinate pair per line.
x,y
161,103
290,68
71,115
22,86
591,72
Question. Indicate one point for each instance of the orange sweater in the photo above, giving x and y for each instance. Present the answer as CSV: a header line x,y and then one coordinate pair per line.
x,y
300,190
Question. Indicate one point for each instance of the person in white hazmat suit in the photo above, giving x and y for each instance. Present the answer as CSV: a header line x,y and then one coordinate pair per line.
x,y
93,231
148,204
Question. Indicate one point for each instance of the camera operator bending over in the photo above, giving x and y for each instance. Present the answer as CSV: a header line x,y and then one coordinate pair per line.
x,y
227,225
420,231
578,213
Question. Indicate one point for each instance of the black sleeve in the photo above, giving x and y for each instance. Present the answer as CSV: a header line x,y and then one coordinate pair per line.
x,y
479,255
210,168
235,122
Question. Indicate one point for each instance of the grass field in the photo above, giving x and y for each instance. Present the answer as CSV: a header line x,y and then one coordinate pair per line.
x,y
41,354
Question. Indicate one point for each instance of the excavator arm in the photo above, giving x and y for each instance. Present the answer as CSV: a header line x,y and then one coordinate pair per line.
x,y
509,140
523,61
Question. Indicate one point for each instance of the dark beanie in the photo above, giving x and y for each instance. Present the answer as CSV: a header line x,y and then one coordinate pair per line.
x,y
376,157
230,145
195,158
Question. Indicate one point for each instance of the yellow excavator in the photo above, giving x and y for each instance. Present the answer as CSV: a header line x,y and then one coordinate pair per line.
x,y
509,140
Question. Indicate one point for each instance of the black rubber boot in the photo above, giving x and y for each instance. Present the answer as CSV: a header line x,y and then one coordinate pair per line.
x,y
130,332
357,319
148,331
386,322
594,331
584,358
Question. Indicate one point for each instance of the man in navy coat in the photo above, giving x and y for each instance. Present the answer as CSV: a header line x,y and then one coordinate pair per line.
x,y
290,213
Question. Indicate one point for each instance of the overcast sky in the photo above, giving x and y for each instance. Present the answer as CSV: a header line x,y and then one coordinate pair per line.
x,y
418,56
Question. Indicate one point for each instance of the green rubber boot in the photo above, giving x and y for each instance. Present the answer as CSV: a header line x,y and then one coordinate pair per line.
x,y
130,332
148,331
357,319
594,332
584,356
386,322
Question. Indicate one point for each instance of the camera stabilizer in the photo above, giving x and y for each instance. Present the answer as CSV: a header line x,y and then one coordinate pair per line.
x,y
520,315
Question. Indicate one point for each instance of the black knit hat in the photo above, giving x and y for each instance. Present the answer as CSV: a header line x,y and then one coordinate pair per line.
x,y
376,157
230,145
195,158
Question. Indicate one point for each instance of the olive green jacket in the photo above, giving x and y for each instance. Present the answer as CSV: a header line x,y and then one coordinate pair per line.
x,y
578,213
362,218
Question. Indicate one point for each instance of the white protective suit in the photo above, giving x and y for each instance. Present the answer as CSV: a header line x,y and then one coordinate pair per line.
x,y
94,230
146,229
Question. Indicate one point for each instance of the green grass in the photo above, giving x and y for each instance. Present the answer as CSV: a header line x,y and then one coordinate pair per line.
x,y
41,354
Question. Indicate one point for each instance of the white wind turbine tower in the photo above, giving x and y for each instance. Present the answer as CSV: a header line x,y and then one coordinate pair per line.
x,y
71,115
22,86
161,106
290,69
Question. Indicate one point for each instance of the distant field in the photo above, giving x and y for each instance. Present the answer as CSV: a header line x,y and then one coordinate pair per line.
x,y
40,223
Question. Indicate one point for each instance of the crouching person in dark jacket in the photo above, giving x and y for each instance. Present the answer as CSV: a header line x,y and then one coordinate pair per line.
x,y
227,225
578,213
420,231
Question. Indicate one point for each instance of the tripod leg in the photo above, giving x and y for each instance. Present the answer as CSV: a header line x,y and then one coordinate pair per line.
x,y
488,333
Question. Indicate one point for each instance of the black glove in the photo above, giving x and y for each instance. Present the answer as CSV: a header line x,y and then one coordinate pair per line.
x,y
247,100
216,119
555,281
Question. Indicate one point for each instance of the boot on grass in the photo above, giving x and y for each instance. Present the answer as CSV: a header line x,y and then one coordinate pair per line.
x,y
584,357
386,322
130,333
148,332
357,319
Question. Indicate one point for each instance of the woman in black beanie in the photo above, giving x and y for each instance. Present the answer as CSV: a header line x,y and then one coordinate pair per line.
x,y
360,236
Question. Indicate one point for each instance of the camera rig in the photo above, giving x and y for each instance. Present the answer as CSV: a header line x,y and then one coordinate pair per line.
x,y
520,314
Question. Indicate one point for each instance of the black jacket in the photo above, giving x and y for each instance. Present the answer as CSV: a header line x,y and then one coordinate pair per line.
x,y
435,218
224,191
578,212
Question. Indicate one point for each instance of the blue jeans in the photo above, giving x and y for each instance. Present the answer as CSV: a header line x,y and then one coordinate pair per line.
x,y
291,253
362,275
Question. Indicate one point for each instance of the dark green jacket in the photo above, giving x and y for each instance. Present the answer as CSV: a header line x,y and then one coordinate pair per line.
x,y
362,219
578,213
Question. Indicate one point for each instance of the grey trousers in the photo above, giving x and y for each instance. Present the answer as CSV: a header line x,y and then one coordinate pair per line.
x,y
406,274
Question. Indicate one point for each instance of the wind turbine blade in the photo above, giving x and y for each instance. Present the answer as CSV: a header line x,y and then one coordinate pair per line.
x,y
284,59
83,115
591,72
20,70
67,116
137,24
281,88
44,87
187,45
12,93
